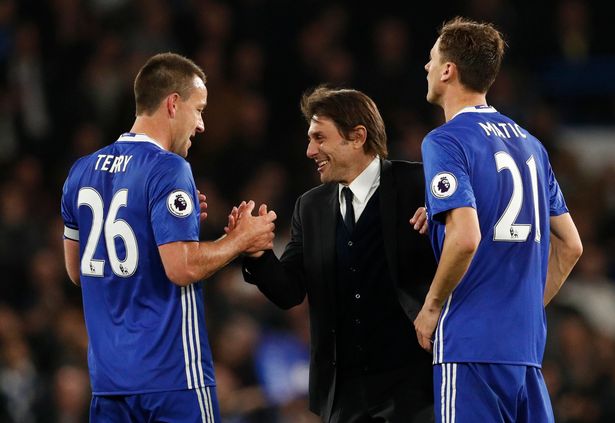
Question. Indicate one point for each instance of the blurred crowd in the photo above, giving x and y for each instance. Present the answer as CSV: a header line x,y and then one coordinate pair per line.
x,y
66,73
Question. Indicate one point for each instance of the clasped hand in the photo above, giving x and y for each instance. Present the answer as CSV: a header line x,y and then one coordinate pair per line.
x,y
260,229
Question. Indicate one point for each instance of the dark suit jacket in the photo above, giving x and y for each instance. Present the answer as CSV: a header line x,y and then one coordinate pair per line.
x,y
307,266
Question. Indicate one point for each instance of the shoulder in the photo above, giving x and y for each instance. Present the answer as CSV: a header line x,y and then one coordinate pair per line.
x,y
79,166
401,166
168,159
402,169
317,194
446,133
169,166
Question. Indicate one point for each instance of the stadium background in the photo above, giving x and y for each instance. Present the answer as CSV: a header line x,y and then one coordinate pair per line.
x,y
66,73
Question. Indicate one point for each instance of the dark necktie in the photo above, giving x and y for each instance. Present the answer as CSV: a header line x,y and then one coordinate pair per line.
x,y
349,216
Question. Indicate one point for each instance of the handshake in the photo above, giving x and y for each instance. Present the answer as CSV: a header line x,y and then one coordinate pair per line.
x,y
254,233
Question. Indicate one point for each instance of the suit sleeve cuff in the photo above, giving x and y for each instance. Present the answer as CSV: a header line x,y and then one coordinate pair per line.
x,y
252,268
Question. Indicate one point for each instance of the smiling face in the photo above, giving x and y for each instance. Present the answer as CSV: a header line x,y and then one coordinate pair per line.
x,y
189,117
337,159
434,70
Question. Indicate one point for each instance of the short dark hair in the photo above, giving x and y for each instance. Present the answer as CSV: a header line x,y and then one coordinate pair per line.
x,y
476,48
164,74
347,108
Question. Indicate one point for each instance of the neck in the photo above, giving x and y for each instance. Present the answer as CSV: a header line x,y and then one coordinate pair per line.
x,y
359,168
454,103
152,127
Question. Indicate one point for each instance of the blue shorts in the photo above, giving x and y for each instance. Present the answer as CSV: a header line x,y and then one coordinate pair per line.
x,y
480,392
187,406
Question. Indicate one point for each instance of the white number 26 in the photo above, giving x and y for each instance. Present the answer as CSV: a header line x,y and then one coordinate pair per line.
x,y
113,228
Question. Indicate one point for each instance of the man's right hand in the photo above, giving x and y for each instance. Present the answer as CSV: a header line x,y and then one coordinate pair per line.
x,y
256,232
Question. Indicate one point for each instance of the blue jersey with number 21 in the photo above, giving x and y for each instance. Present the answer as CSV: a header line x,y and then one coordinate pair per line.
x,y
146,334
484,160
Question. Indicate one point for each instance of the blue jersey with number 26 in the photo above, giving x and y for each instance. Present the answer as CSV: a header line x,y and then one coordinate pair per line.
x,y
484,160
146,334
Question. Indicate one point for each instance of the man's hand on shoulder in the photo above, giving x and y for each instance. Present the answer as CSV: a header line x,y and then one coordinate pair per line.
x,y
202,206
419,220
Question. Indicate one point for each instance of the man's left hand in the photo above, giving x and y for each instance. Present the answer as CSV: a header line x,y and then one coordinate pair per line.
x,y
425,326
419,220
202,206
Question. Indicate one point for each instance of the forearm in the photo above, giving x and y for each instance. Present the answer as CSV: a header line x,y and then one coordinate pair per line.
x,y
454,263
565,250
561,263
212,256
189,262
71,260
283,283
460,244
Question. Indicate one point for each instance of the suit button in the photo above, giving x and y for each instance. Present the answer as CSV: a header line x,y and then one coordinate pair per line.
x,y
353,269
357,296
357,321
350,243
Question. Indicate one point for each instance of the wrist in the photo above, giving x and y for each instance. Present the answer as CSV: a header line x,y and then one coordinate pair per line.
x,y
239,241
433,303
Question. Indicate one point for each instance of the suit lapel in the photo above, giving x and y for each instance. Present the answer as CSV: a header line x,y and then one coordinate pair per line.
x,y
388,214
328,221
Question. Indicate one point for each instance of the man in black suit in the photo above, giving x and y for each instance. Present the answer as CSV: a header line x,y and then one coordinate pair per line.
x,y
364,269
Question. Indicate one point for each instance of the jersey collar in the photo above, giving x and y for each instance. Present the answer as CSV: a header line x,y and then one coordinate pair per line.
x,y
133,137
476,109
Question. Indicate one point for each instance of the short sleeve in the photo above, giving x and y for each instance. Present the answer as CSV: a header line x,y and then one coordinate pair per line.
x,y
557,204
447,181
173,202
69,214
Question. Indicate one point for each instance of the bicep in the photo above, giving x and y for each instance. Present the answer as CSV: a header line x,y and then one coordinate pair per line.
x,y
174,257
564,229
462,219
71,259
463,227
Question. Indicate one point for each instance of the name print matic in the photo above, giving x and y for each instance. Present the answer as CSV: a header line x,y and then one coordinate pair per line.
x,y
502,130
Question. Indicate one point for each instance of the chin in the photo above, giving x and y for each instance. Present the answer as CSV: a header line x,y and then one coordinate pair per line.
x,y
324,178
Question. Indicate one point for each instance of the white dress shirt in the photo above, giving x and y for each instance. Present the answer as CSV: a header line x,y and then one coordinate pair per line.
x,y
363,187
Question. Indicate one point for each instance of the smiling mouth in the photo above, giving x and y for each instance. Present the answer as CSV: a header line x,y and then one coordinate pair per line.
x,y
321,164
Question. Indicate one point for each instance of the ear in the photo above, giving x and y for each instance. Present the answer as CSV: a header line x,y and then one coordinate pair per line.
x,y
449,72
360,135
171,104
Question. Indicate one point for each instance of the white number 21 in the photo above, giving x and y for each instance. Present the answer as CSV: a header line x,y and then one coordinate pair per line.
x,y
506,229
113,228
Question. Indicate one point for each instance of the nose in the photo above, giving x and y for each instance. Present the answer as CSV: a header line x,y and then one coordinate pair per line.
x,y
427,67
200,126
312,149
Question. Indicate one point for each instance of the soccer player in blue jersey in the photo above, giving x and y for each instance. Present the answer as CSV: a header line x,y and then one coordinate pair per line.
x,y
502,235
132,215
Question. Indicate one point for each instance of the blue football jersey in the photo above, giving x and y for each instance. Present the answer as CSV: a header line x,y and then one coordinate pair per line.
x,y
146,334
483,159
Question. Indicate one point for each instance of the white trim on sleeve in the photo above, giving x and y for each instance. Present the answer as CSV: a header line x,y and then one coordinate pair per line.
x,y
71,233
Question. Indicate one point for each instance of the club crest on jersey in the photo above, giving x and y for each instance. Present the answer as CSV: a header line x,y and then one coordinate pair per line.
x,y
443,185
179,203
